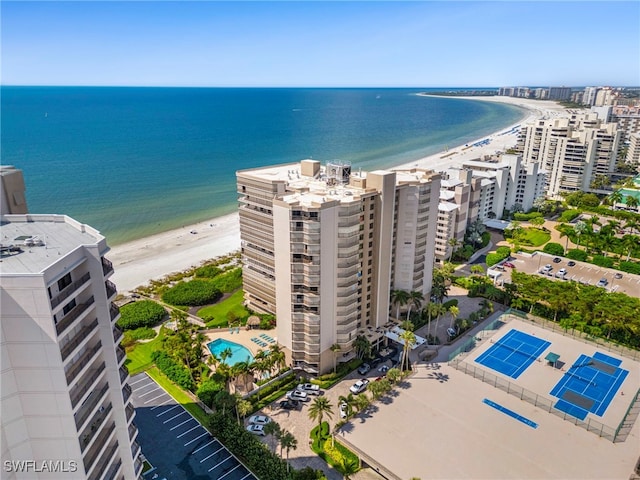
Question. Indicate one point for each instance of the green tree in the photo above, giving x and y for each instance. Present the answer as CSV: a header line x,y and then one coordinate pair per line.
x,y
409,340
351,403
394,375
335,348
362,346
287,442
272,429
320,407
415,300
400,298
631,202
454,312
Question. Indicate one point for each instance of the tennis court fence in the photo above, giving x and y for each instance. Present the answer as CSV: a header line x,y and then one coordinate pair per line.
x,y
613,434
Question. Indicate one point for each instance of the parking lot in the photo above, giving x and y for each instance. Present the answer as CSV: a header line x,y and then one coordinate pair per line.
x,y
582,272
174,442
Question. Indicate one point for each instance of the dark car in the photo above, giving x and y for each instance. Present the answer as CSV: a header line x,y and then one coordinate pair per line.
x,y
571,263
289,404
557,260
617,276
364,369
375,362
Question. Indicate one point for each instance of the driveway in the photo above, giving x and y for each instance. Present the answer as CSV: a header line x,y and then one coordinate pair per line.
x,y
174,442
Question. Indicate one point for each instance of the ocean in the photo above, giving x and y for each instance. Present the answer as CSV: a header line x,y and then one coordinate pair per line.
x,y
132,162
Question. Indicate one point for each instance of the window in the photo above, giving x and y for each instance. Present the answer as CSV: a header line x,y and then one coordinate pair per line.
x,y
64,282
69,306
371,217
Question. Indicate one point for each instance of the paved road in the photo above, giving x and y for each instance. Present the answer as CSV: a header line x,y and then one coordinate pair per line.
x,y
174,442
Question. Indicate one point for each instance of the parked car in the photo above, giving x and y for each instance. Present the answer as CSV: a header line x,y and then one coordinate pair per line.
x,y
364,369
259,420
309,388
256,429
617,276
557,260
289,404
561,273
298,395
375,362
571,263
547,268
451,332
603,282
509,264
343,410
360,386
383,368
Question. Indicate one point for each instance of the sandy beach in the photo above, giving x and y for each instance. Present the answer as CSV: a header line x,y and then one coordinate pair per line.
x,y
153,257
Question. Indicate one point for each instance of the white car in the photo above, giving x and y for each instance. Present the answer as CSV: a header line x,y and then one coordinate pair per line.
x,y
298,395
561,273
546,268
383,368
309,388
360,386
259,420
256,429
343,410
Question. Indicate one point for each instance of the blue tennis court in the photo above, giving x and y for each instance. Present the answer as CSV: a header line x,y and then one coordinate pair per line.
x,y
589,385
513,354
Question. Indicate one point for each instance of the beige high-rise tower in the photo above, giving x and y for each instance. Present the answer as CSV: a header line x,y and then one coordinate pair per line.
x,y
65,397
322,247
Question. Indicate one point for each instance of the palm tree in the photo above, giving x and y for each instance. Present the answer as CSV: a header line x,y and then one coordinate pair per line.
x,y
394,375
409,339
361,402
276,355
432,310
224,354
453,243
415,299
580,227
615,197
287,442
243,407
441,310
335,348
400,298
454,311
350,402
362,346
629,242
348,467
320,407
631,202
273,429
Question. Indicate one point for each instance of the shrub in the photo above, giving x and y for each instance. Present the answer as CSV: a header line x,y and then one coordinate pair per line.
x,y
208,390
229,281
132,336
500,254
602,261
569,215
525,217
177,373
451,303
207,271
195,292
576,254
553,249
630,267
144,313
267,322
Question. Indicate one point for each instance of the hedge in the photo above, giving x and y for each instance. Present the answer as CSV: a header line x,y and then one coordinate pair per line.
x,y
208,271
208,390
569,215
193,293
228,281
144,313
602,261
176,373
524,217
577,254
451,303
630,267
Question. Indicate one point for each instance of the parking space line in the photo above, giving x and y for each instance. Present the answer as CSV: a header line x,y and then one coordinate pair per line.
x,y
247,475
141,380
204,446
141,387
209,456
199,436
167,410
237,466
164,404
173,428
147,393
190,430
219,463
175,416
154,398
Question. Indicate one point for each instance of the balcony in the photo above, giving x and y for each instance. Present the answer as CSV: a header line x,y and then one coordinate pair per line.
x,y
135,448
126,393
93,428
80,389
105,459
89,406
69,290
130,412
77,339
137,466
111,289
120,354
124,374
114,311
73,315
117,334
82,362
133,431
113,470
98,444
107,266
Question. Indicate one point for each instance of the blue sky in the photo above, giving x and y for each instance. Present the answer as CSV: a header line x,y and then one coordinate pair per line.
x,y
416,44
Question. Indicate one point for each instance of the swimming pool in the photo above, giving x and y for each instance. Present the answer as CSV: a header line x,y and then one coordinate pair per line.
x,y
238,352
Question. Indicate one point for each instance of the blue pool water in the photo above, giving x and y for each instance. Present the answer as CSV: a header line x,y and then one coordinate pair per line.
x,y
238,352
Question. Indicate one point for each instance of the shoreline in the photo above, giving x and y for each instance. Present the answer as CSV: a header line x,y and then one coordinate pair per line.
x,y
150,258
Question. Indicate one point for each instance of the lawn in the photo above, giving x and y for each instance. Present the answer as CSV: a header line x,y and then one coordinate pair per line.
x,y
220,310
180,396
534,237
139,356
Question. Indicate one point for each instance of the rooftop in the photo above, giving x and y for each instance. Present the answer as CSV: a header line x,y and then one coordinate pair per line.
x,y
40,240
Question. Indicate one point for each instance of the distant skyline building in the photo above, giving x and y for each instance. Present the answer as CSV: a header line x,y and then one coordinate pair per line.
x,y
323,247
64,391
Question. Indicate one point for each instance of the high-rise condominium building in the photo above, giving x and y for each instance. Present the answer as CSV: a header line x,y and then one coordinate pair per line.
x,y
572,150
12,198
322,248
65,397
